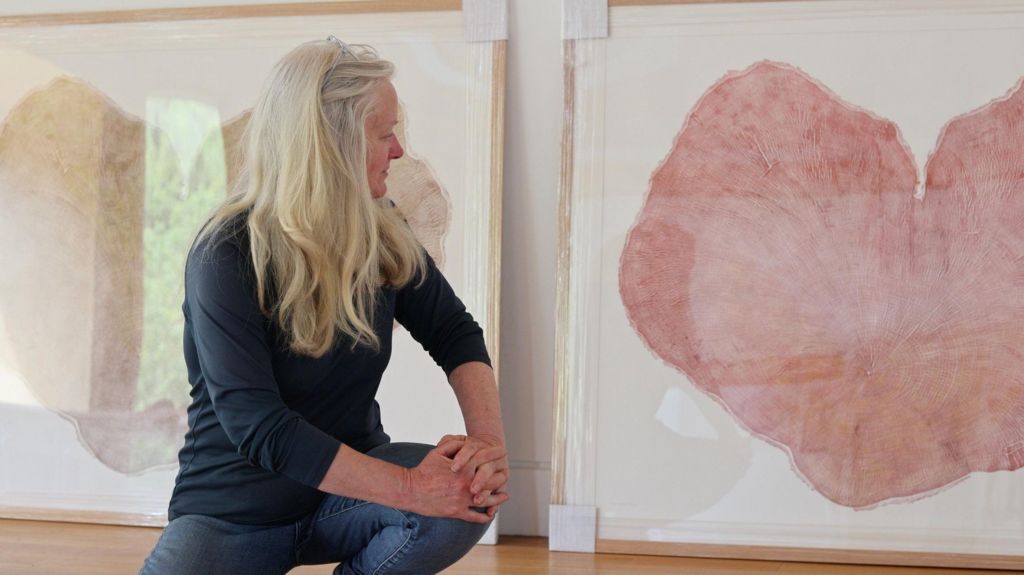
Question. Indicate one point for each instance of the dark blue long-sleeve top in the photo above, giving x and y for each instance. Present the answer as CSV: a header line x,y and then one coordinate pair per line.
x,y
265,423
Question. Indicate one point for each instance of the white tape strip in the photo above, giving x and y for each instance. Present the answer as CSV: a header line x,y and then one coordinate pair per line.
x,y
485,20
584,19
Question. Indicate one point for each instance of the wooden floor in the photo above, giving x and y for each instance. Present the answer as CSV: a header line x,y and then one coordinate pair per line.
x,y
33,547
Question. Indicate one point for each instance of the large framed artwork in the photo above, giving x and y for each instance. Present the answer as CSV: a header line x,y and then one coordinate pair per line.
x,y
790,281
119,134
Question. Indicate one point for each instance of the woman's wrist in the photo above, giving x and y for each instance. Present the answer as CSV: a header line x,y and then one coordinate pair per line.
x,y
496,439
405,495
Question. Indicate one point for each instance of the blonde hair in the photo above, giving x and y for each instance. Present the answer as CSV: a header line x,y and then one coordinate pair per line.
x,y
319,242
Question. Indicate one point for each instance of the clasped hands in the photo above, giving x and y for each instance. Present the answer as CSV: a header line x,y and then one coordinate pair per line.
x,y
462,475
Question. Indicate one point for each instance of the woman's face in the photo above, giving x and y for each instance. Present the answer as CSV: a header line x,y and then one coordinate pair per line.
x,y
381,142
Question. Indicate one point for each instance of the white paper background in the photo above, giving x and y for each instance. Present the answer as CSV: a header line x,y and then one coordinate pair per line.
x,y
671,464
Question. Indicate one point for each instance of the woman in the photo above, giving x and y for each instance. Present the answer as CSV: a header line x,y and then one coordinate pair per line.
x,y
291,290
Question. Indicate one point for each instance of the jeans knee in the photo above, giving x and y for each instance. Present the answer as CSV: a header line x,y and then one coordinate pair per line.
x,y
455,536
414,544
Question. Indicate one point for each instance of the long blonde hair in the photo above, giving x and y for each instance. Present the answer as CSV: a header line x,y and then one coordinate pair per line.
x,y
318,239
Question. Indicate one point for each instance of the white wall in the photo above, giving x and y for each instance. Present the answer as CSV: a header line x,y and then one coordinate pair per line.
x,y
533,124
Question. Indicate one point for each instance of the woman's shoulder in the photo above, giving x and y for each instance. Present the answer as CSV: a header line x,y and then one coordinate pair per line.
x,y
221,254
219,277
228,240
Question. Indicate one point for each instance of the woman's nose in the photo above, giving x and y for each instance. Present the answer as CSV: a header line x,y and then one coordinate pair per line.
x,y
396,150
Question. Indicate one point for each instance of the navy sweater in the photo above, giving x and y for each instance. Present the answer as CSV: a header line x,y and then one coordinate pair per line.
x,y
264,423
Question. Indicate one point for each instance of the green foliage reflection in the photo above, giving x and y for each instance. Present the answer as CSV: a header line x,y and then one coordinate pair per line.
x,y
186,176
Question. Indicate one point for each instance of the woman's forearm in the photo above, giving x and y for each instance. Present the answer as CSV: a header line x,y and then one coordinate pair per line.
x,y
431,488
477,392
353,474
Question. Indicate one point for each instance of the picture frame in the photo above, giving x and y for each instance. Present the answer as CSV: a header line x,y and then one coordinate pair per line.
x,y
179,81
646,461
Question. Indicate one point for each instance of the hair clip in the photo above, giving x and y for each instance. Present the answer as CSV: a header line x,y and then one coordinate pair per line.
x,y
344,49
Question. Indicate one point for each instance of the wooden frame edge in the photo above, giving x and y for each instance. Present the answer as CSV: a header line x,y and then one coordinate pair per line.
x,y
810,554
563,260
613,3
498,76
229,11
83,516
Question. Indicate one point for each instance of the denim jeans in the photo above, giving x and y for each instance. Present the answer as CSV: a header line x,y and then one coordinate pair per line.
x,y
364,538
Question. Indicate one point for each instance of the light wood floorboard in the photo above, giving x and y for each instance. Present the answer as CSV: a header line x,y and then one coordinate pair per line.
x,y
37,547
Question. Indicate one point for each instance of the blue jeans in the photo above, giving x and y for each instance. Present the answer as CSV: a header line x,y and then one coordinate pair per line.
x,y
364,538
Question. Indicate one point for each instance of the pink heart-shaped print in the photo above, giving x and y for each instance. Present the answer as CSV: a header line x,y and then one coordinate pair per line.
x,y
783,263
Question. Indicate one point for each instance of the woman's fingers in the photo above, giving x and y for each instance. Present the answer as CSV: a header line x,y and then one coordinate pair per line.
x,y
496,484
487,504
449,448
473,455
465,455
494,500
451,437
439,492
493,509
476,452
474,516
490,483
484,478
486,467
